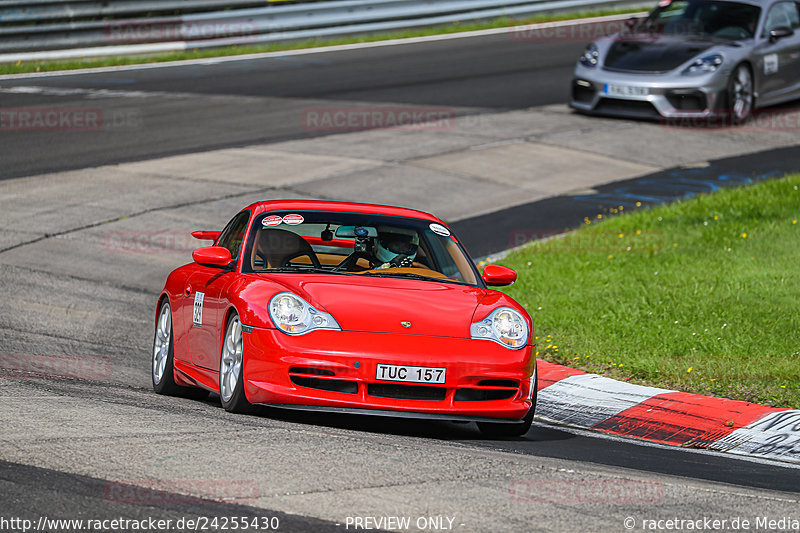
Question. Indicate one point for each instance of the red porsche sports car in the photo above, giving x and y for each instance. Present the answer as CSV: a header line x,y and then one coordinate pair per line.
x,y
350,308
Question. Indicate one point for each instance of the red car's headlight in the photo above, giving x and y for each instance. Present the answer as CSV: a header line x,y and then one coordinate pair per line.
x,y
503,325
294,316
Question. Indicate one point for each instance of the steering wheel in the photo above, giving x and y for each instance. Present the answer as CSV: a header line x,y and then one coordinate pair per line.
x,y
732,32
351,260
260,261
287,261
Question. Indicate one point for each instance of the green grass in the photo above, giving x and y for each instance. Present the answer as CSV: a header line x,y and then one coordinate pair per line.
x,y
705,301
49,66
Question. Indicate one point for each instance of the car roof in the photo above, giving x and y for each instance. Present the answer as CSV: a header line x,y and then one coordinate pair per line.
x,y
760,3
351,207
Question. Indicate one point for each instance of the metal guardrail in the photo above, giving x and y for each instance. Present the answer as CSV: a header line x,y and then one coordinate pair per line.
x,y
63,29
42,10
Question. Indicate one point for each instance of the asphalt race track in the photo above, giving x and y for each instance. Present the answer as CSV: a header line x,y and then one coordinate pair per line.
x,y
92,441
203,107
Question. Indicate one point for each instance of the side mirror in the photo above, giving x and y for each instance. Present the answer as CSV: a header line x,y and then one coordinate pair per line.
x,y
498,275
779,33
212,256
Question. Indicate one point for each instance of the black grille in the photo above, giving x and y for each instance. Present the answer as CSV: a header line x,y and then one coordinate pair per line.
x,y
311,371
498,383
332,385
635,108
582,94
483,395
694,101
406,392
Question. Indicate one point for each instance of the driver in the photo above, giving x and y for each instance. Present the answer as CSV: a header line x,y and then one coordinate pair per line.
x,y
396,247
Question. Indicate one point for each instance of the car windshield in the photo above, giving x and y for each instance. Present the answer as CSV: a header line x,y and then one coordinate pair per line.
x,y
356,244
721,20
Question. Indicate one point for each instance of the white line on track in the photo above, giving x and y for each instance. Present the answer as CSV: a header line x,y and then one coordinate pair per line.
x,y
324,49
91,94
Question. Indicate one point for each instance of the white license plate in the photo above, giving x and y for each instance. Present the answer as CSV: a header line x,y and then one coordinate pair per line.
x,y
625,90
410,374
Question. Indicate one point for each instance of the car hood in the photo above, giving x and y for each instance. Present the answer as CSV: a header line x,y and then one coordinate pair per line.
x,y
382,305
654,55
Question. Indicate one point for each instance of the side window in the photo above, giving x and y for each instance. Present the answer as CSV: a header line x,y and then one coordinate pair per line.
x,y
782,14
672,10
233,234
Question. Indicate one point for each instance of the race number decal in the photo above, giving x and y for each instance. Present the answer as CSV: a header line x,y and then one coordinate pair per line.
x,y
197,316
770,63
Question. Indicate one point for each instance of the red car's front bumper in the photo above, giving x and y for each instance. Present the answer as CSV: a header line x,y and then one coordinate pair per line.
x,y
337,369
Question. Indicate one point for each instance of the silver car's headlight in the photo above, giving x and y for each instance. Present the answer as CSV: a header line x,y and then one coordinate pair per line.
x,y
503,325
590,56
704,65
295,316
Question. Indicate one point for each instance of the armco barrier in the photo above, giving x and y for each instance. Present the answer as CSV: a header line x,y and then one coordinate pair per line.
x,y
63,29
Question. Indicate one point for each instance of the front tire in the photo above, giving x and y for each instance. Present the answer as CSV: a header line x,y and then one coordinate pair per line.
x,y
740,95
231,369
518,429
162,364
499,429
162,369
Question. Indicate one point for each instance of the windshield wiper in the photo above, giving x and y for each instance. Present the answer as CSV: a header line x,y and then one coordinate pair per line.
x,y
411,275
301,270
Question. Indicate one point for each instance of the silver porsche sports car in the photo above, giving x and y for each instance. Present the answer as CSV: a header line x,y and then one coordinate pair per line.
x,y
694,58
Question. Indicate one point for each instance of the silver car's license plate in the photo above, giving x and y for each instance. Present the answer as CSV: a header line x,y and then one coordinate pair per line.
x,y
410,374
625,90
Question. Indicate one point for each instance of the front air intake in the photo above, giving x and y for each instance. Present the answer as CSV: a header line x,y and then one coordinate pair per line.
x,y
330,385
406,392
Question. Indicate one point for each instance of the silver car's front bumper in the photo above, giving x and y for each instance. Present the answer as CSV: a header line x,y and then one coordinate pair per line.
x,y
651,96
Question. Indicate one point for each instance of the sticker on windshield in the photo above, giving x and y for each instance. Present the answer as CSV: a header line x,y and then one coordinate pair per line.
x,y
770,63
438,229
293,220
197,316
272,220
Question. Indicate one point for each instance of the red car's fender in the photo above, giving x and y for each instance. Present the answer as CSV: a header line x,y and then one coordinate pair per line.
x,y
173,292
249,297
